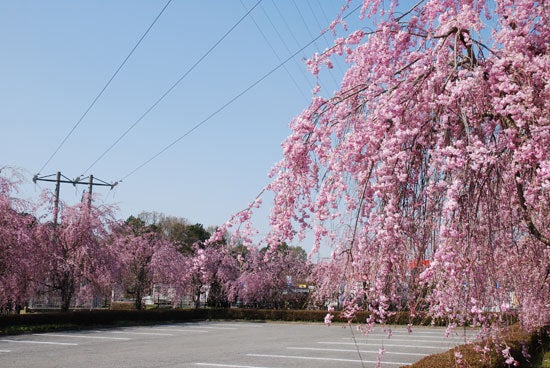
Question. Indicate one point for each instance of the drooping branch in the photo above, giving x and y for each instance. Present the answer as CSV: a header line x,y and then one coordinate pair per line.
x,y
533,230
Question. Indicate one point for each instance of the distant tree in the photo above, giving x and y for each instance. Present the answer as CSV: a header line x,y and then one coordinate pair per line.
x,y
137,225
172,270
74,256
143,260
219,271
295,251
267,278
196,233
175,229
17,245
150,218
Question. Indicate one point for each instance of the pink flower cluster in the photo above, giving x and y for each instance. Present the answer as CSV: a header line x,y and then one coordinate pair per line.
x,y
428,170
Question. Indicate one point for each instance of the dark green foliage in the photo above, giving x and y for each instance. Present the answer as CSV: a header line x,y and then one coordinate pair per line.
x,y
123,306
515,338
95,318
197,232
175,229
122,313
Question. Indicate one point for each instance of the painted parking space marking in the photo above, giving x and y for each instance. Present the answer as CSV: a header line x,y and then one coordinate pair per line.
x,y
5,351
439,341
402,336
84,336
215,328
354,351
378,343
411,336
227,365
179,330
255,325
40,342
434,333
142,333
325,359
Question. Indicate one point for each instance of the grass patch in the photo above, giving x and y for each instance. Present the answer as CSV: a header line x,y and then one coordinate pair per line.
x,y
544,359
21,329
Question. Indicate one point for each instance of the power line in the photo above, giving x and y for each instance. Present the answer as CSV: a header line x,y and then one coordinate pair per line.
x,y
282,39
174,85
225,105
321,27
276,54
311,33
320,6
104,88
285,22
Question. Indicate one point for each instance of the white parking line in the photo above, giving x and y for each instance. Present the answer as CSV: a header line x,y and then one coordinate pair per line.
x,y
40,342
319,358
227,365
5,351
440,333
141,333
441,341
177,330
239,325
354,351
215,328
411,336
378,343
84,336
399,336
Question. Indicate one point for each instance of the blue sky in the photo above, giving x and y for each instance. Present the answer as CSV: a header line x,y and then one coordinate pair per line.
x,y
57,56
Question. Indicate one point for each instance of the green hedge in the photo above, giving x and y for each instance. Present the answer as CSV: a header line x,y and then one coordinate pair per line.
x,y
516,338
115,316
92,318
122,315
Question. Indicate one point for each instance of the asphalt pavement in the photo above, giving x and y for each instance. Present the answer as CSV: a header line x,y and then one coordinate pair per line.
x,y
224,344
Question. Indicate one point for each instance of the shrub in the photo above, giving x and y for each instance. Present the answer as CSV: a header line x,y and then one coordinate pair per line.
x,y
475,356
123,306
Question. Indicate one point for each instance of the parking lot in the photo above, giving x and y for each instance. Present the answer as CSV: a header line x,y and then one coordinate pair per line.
x,y
223,344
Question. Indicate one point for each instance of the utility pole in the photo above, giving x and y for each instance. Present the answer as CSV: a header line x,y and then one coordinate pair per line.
x,y
56,203
90,188
78,181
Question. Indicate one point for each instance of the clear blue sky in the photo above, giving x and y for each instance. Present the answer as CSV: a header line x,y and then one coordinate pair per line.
x,y
58,55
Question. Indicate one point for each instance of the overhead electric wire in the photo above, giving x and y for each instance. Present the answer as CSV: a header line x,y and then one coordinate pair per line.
x,y
225,105
282,39
285,22
104,88
320,6
174,85
311,35
277,55
304,21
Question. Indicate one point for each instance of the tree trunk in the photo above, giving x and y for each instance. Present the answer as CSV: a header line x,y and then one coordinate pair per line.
x,y
67,290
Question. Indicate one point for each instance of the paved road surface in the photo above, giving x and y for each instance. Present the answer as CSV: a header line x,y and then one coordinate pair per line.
x,y
222,344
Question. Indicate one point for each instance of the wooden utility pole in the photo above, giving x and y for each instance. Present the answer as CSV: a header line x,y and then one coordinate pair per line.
x,y
78,181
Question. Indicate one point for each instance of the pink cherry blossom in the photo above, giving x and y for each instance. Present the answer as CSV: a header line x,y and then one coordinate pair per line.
x,y
427,170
